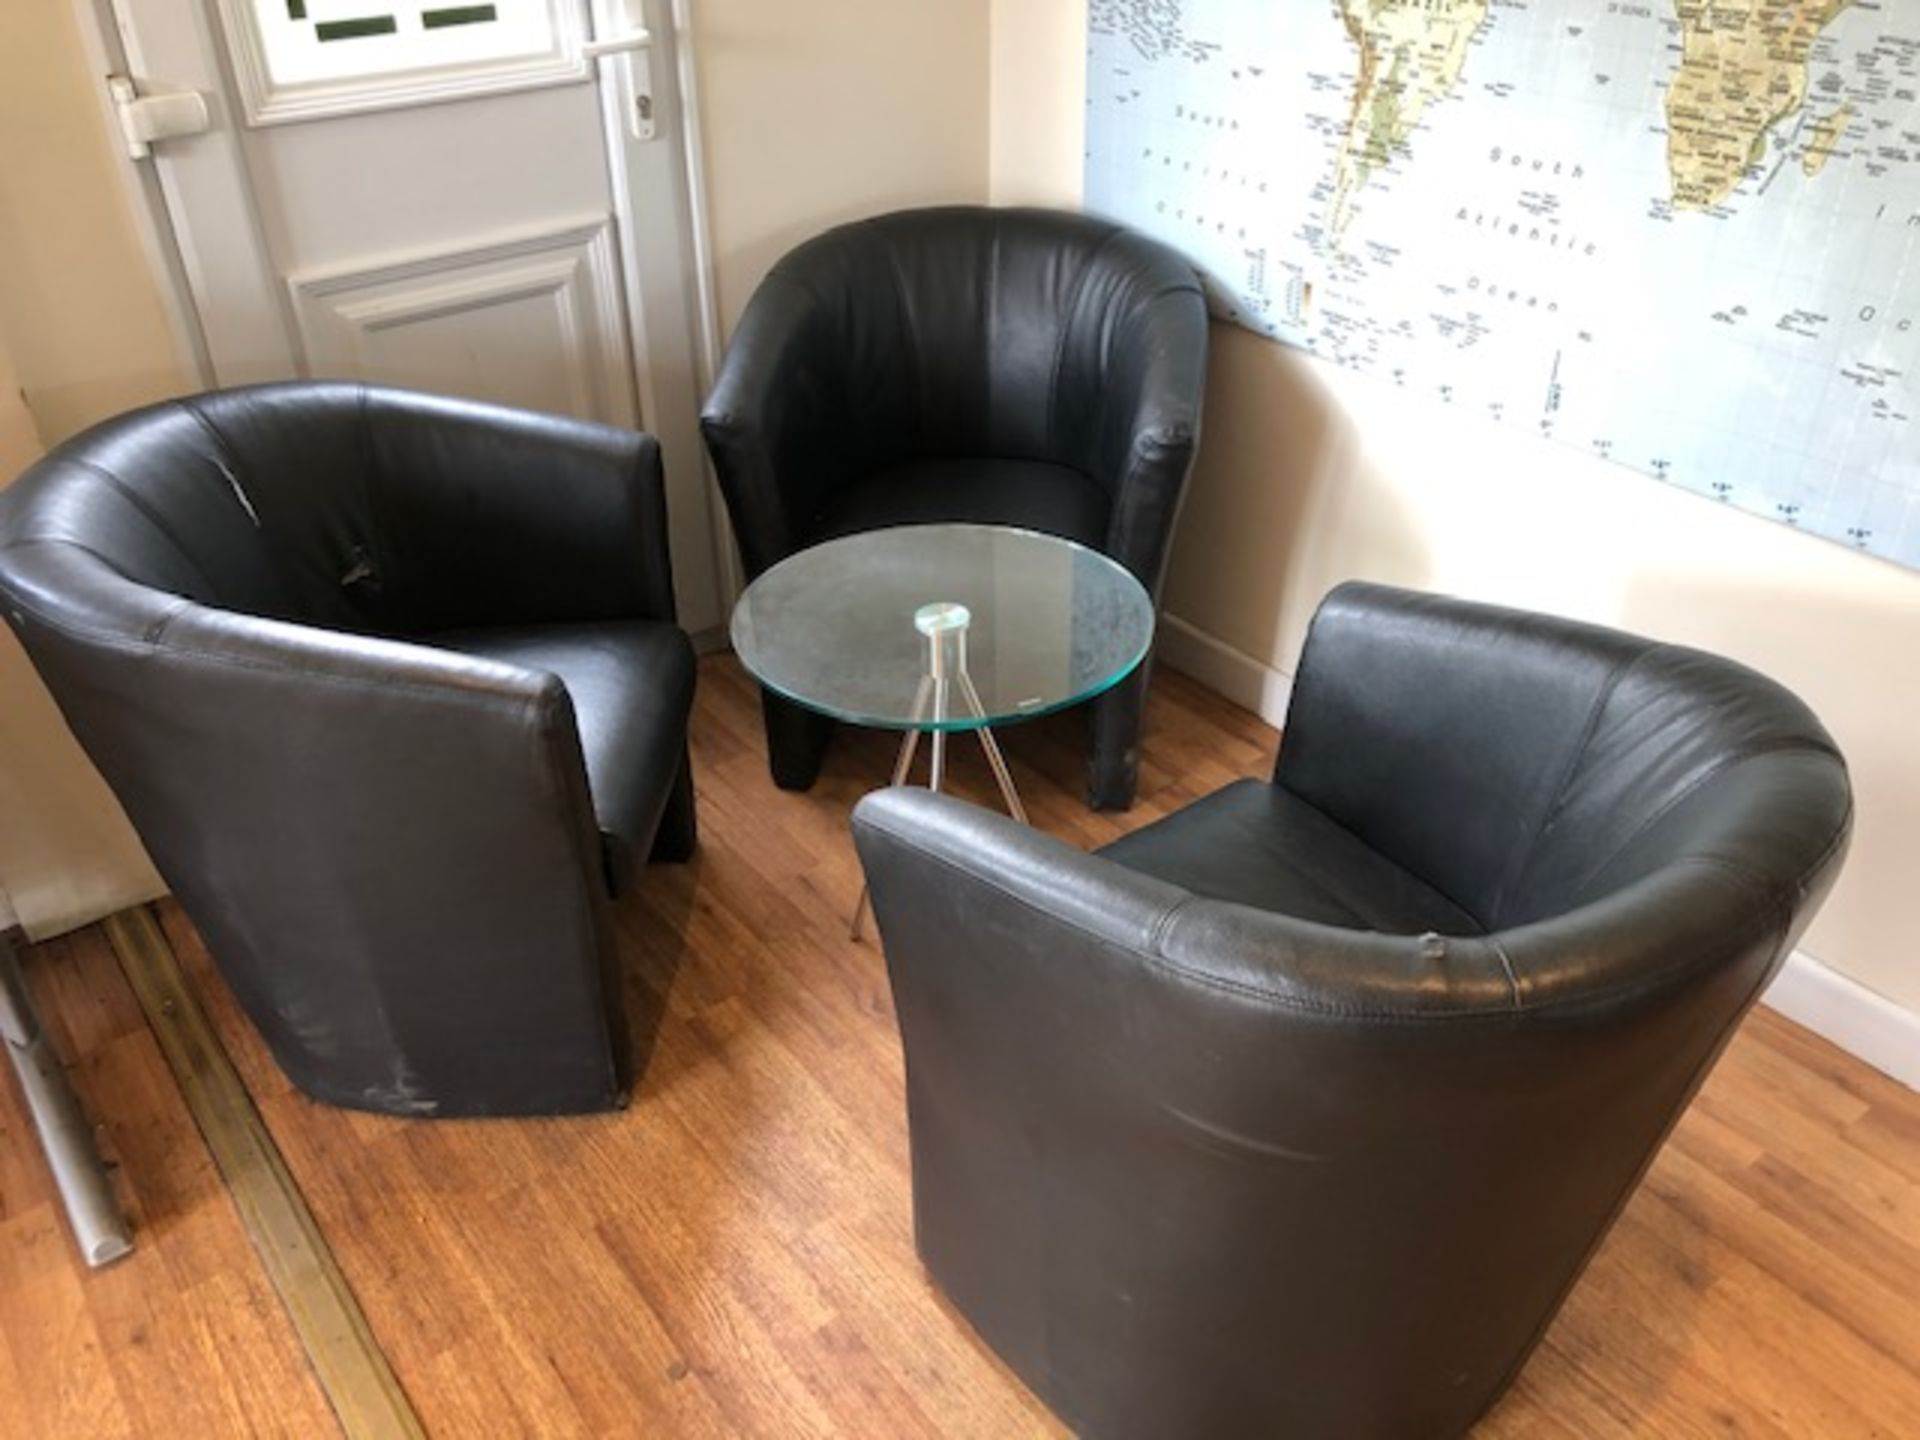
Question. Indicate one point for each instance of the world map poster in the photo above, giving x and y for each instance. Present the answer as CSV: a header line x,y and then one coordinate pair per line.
x,y
1678,234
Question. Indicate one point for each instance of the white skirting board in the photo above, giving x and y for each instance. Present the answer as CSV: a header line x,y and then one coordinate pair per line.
x,y
1860,1021
1245,681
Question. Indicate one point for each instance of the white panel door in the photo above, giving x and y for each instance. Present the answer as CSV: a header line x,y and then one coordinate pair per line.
x,y
482,199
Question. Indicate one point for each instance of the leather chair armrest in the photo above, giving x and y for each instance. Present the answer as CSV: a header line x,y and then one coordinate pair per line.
x,y
510,517
951,879
274,652
1149,426
939,867
776,422
370,791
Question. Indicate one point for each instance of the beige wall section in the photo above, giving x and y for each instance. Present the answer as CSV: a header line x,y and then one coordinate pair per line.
x,y
821,112
67,854
83,334
1039,99
19,446
1310,475
78,301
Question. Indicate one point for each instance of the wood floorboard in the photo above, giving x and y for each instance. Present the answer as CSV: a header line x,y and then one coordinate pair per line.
x,y
732,1255
183,1337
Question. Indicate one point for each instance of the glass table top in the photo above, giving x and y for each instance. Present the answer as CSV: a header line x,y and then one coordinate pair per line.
x,y
1017,623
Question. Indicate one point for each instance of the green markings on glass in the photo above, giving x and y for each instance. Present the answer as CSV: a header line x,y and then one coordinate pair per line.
x,y
458,15
355,29
440,19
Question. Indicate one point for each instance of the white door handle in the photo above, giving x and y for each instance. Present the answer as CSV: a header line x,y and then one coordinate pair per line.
x,y
629,50
617,44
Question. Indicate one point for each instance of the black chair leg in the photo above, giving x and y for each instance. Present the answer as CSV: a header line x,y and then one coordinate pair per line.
x,y
1114,774
679,829
796,741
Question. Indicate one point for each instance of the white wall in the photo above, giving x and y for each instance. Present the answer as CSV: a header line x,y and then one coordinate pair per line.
x,y
830,110
1309,475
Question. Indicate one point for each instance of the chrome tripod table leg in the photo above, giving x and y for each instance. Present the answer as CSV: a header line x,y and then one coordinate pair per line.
x,y
902,767
992,747
941,624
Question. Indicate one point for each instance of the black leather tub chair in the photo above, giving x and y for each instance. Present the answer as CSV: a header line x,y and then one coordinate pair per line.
x,y
1299,1111
391,688
1010,367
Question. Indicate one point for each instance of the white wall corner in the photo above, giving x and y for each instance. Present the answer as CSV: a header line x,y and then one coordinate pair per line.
x,y
1860,1021
1249,683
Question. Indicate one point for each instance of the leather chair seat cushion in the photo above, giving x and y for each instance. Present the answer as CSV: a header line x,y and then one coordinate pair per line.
x,y
1030,494
631,683
1252,843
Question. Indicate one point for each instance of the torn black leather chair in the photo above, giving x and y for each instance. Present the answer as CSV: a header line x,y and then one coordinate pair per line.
x,y
1299,1111
1010,367
391,688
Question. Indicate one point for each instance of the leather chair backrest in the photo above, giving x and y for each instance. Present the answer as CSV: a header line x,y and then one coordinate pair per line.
x,y
975,331
1525,766
330,504
219,500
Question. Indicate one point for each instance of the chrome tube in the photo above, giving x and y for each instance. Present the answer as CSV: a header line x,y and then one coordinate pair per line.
x,y
99,1225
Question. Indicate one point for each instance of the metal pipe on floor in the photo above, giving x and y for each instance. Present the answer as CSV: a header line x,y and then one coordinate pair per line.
x,y
98,1223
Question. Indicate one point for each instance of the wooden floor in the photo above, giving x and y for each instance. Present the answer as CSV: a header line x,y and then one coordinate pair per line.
x,y
732,1256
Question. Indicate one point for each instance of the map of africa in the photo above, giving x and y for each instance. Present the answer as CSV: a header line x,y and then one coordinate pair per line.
x,y
1681,234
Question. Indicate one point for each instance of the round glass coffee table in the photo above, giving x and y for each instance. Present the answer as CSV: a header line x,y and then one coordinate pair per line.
x,y
943,628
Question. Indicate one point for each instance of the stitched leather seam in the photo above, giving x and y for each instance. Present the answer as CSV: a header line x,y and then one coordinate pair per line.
x,y
1721,764
382,543
1327,892
230,457
1473,922
60,542
553,764
1506,964
228,454
991,883
1325,889
1392,1017
149,636
911,345
1556,798
156,630
780,272
1165,922
152,517
113,641
1069,311
1473,926
637,496
1206,980
205,422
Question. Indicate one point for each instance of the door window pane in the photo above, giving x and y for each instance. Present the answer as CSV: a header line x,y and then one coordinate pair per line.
x,y
326,41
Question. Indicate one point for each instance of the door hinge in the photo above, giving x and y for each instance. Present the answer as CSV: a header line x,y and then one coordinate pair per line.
x,y
147,118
